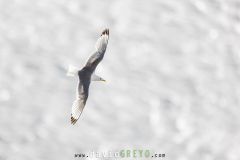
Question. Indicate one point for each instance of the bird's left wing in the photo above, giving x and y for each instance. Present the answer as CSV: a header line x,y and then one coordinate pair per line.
x,y
101,46
77,109
81,99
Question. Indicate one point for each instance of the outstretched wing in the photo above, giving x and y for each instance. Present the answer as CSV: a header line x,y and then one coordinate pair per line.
x,y
77,109
81,98
101,47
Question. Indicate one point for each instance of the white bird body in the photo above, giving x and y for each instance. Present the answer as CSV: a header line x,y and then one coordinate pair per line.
x,y
73,72
86,75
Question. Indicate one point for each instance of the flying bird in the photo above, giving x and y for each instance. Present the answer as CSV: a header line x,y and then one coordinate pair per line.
x,y
86,75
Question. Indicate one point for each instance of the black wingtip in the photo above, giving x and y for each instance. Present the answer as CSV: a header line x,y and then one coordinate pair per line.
x,y
105,32
73,120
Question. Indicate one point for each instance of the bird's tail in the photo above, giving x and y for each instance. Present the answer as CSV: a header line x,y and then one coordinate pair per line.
x,y
72,71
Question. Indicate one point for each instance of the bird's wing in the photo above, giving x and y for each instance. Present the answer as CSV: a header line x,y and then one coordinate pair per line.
x,y
101,47
80,101
77,109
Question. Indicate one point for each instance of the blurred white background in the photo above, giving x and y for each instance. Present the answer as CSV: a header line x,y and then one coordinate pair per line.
x,y
172,69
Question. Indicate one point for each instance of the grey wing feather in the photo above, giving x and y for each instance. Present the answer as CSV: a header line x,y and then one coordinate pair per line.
x,y
101,47
81,98
77,109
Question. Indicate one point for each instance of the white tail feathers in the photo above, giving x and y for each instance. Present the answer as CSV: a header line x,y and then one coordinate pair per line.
x,y
72,71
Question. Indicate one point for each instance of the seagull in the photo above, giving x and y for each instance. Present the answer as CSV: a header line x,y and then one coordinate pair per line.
x,y
86,75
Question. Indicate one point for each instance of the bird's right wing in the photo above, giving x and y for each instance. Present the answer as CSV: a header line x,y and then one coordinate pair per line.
x,y
102,42
101,46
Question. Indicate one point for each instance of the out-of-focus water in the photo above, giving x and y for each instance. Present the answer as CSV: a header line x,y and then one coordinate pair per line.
x,y
172,69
